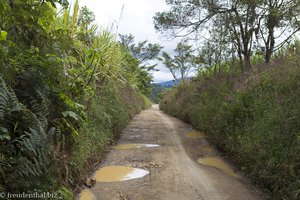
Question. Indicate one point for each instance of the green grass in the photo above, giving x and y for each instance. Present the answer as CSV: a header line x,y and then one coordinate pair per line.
x,y
108,115
254,119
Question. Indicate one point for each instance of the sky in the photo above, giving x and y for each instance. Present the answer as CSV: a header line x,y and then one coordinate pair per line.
x,y
137,19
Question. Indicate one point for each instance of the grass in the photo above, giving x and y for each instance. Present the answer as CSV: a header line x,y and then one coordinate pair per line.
x,y
108,115
254,119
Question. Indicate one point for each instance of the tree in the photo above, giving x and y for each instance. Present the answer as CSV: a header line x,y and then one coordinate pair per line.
x,y
86,16
189,17
216,50
142,51
278,23
63,3
183,60
242,18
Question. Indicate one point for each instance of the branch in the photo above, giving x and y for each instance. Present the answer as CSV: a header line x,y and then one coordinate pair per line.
x,y
286,40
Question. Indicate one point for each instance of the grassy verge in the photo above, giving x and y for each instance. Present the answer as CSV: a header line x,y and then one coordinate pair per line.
x,y
108,115
255,119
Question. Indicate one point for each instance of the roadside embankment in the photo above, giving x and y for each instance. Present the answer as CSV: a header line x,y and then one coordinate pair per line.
x,y
253,118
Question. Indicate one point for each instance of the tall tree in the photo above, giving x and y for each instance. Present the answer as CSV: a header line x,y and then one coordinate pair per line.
x,y
191,16
183,61
243,18
142,51
278,23
216,50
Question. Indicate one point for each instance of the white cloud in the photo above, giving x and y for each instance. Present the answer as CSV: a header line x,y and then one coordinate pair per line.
x,y
161,76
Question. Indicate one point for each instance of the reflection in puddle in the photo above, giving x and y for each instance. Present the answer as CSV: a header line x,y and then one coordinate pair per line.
x,y
195,134
134,146
217,163
87,195
207,149
119,173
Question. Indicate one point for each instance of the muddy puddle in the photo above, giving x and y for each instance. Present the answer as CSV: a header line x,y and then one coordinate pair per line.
x,y
87,195
119,173
207,149
195,134
134,146
219,164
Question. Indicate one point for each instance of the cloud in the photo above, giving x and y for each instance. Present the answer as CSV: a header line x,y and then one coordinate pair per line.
x,y
161,76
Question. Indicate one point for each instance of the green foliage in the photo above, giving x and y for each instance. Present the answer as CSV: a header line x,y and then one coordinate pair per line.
x,y
145,102
3,35
142,51
137,60
108,115
242,27
183,60
61,88
65,193
23,142
86,16
156,93
64,3
254,120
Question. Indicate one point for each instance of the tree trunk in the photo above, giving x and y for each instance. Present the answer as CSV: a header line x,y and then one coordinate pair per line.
x,y
247,61
268,55
241,60
270,45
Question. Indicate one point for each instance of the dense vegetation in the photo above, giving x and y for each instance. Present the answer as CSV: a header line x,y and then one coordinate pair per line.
x,y
66,91
67,88
253,118
246,94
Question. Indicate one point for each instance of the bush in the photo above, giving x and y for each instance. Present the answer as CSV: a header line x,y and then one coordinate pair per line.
x,y
254,119
61,95
108,114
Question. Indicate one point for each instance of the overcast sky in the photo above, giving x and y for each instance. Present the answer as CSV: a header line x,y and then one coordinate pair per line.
x,y
137,19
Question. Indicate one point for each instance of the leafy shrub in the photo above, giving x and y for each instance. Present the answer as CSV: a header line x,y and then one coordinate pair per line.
x,y
108,115
23,139
60,95
253,119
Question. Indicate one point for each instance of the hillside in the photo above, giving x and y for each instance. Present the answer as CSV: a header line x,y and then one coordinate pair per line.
x,y
168,84
159,88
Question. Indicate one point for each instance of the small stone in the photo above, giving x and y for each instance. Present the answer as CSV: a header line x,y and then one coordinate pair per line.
x,y
89,182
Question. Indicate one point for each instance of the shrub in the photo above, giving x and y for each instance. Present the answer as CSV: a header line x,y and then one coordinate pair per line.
x,y
254,119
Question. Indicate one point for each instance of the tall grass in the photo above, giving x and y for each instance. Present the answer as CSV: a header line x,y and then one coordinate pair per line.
x,y
62,99
254,119
108,115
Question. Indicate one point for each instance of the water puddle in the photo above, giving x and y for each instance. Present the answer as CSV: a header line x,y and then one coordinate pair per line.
x,y
217,163
119,173
87,195
195,134
134,146
207,149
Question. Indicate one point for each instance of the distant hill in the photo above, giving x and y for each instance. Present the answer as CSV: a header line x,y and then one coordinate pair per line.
x,y
158,88
168,84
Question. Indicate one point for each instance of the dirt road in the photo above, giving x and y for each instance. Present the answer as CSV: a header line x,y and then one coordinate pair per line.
x,y
175,173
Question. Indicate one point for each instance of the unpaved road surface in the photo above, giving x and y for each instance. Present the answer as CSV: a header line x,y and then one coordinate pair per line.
x,y
175,173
